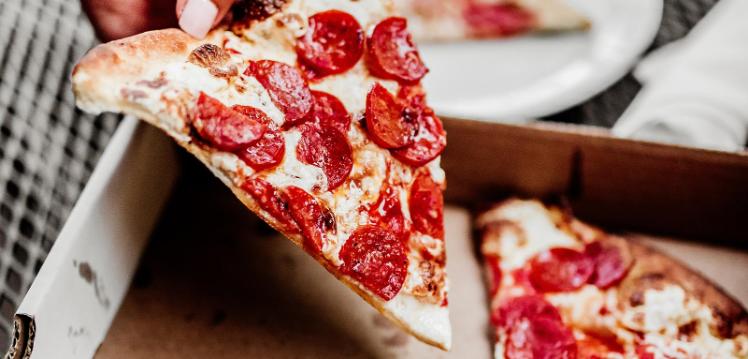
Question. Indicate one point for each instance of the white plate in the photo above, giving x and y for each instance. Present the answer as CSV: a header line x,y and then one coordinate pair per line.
x,y
531,76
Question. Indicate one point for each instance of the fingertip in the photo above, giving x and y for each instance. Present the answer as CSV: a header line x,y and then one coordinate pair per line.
x,y
223,8
180,7
197,17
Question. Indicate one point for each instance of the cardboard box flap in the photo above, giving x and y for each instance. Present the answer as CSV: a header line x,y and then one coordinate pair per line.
x,y
69,307
647,187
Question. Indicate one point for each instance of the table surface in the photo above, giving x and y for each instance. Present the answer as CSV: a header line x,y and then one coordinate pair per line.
x,y
48,148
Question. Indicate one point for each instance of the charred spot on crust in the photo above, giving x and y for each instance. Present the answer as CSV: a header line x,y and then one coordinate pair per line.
x,y
688,330
208,55
729,325
213,58
328,221
636,299
432,275
652,277
156,83
132,94
244,12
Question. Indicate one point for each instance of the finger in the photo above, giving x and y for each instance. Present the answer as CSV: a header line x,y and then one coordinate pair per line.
x,y
223,7
197,17
180,7
117,19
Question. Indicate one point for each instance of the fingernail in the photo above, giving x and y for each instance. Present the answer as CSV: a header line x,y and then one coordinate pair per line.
x,y
197,17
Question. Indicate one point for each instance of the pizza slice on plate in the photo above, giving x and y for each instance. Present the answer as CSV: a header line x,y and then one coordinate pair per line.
x,y
461,19
312,113
562,289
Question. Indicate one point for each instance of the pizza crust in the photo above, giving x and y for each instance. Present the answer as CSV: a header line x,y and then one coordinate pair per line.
x,y
101,72
655,270
97,80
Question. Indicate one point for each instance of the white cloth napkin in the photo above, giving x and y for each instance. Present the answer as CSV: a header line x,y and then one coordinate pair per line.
x,y
696,90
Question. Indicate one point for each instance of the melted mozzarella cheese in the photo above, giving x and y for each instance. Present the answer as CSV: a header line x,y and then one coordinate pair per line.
x,y
437,173
352,87
665,310
293,172
589,309
537,232
231,166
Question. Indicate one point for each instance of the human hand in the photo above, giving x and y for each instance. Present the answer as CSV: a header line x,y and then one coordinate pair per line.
x,y
122,18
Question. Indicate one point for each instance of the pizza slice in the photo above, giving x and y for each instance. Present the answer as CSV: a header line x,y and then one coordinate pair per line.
x,y
562,289
436,20
312,113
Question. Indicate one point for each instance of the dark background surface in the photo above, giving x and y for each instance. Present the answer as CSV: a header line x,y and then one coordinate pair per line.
x,y
48,148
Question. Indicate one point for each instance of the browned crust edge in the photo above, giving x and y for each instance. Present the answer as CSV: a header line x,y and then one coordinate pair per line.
x,y
654,269
120,61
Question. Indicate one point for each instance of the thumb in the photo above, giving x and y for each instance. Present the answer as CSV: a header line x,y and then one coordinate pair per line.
x,y
197,17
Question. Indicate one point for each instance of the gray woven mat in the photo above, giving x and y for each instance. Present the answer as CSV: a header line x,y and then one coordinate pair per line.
x,y
48,148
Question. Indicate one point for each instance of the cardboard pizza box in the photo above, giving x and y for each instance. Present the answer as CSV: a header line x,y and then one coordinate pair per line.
x,y
216,282
77,292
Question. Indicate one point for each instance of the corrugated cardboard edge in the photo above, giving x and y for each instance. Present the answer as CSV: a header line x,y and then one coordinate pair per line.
x,y
22,343
604,133
593,132
104,229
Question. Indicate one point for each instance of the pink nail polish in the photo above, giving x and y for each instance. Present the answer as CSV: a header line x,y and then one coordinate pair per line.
x,y
197,17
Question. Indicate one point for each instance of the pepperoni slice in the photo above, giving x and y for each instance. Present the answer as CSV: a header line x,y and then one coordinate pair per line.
x,y
286,87
503,19
494,274
326,148
515,309
391,53
426,206
328,111
521,280
376,258
611,263
643,351
224,128
412,96
540,338
332,44
428,143
388,213
268,151
272,201
560,270
385,122
312,218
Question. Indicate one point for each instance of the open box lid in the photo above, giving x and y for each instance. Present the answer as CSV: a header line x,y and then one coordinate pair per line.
x,y
645,187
